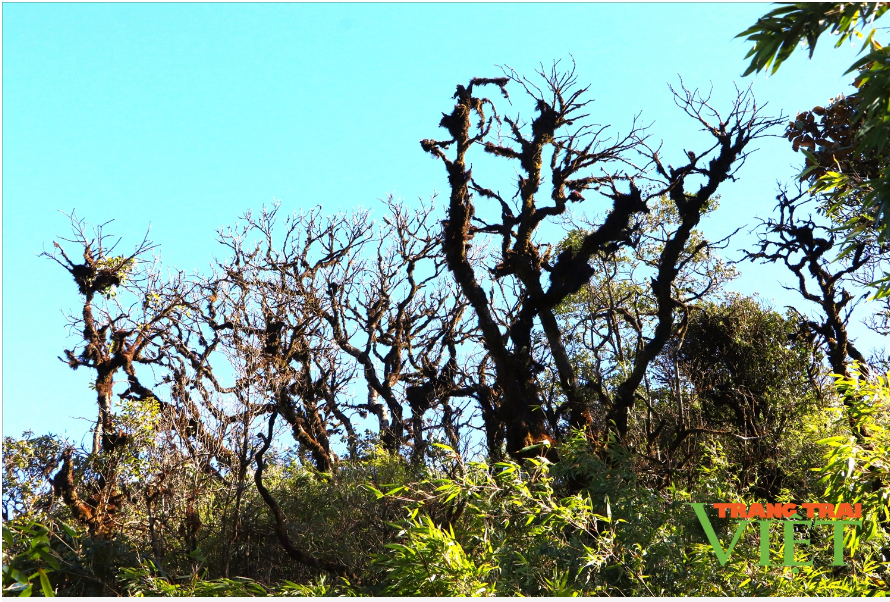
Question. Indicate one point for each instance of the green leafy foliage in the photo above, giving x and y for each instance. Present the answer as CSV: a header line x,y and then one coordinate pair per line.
x,y
25,464
588,524
498,529
53,559
858,462
432,562
778,33
775,36
506,530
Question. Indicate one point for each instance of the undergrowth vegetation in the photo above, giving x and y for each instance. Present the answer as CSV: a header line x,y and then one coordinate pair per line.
x,y
588,524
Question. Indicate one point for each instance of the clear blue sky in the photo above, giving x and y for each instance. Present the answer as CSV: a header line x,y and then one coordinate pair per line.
x,y
182,116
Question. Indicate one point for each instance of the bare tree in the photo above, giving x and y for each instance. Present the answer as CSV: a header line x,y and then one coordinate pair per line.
x,y
272,296
809,251
397,317
149,340
126,311
576,149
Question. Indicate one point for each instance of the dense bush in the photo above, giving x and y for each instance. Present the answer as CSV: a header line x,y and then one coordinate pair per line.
x,y
585,525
